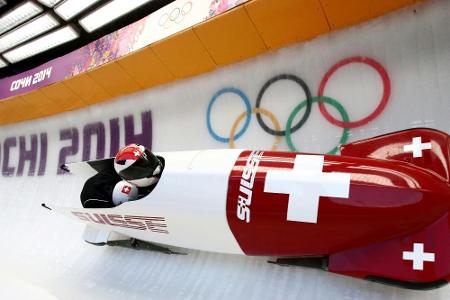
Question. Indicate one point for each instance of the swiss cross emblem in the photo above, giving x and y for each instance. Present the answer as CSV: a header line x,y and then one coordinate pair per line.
x,y
418,256
417,147
304,184
126,189
136,153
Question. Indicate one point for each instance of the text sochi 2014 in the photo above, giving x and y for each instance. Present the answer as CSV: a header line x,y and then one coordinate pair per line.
x,y
31,80
29,154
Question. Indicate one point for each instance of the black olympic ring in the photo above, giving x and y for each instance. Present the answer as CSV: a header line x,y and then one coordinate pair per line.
x,y
171,15
174,15
305,115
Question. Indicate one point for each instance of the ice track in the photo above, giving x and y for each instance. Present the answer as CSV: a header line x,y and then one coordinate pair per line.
x,y
44,257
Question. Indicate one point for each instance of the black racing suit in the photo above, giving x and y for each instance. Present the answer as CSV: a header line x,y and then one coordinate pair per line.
x,y
97,190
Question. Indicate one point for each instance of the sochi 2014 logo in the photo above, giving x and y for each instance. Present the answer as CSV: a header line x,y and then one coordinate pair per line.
x,y
277,131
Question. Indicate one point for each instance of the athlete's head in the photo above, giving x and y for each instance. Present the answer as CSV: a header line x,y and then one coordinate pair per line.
x,y
137,165
123,192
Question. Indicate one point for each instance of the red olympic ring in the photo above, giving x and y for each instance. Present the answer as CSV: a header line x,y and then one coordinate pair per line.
x,y
384,99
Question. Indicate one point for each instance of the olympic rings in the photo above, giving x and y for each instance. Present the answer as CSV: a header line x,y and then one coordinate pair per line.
x,y
177,11
322,99
176,15
248,109
257,111
384,99
308,105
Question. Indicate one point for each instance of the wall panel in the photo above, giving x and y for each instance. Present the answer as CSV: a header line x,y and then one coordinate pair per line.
x,y
230,37
113,79
63,97
87,89
289,21
184,54
145,68
43,105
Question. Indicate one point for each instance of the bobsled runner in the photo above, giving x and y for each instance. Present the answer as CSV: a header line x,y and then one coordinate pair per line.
x,y
379,211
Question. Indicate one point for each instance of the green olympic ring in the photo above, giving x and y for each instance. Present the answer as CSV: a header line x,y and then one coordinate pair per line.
x,y
318,99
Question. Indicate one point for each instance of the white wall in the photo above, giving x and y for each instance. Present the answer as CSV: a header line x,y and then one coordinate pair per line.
x,y
413,46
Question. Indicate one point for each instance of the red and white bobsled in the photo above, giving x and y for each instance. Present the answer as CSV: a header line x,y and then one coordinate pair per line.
x,y
380,211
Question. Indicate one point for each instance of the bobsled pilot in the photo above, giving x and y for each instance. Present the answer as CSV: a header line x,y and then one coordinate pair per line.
x,y
137,170
106,189
138,165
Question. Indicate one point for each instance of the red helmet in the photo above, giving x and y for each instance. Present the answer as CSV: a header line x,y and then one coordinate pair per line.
x,y
137,165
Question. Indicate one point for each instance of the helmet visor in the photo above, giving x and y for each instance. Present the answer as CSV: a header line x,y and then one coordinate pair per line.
x,y
142,168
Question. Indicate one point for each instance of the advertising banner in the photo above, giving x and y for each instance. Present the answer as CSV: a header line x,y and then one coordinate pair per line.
x,y
173,18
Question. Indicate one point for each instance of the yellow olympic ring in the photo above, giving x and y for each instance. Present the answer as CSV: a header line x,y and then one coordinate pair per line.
x,y
259,110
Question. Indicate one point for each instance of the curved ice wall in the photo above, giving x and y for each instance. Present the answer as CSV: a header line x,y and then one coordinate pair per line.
x,y
385,75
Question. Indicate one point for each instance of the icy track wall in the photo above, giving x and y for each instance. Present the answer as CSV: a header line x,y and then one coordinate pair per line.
x,y
389,74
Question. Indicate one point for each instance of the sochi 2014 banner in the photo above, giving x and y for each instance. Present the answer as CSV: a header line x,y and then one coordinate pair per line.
x,y
173,18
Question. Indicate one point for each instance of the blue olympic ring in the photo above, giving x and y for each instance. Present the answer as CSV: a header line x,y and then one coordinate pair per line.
x,y
248,109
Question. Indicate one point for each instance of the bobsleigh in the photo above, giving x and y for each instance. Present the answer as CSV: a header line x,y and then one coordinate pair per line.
x,y
379,211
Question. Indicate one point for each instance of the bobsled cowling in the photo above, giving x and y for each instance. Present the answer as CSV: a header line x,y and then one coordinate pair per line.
x,y
379,211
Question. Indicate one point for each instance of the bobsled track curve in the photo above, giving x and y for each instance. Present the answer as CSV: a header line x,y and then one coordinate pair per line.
x,y
43,256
